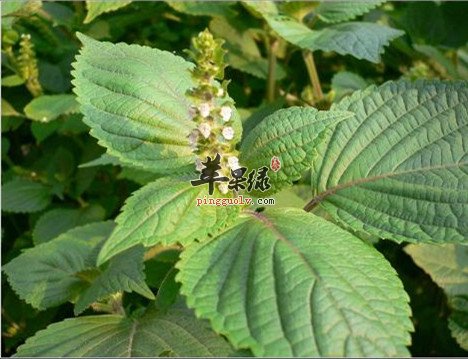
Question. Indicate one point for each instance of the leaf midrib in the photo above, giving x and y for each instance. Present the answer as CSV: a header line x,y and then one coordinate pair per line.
x,y
332,190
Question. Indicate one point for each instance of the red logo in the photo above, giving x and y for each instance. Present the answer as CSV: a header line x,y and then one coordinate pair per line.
x,y
275,164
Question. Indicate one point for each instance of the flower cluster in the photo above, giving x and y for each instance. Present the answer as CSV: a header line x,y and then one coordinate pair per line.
x,y
211,109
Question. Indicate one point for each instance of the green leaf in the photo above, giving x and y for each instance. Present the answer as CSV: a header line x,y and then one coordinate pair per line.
x,y
9,110
165,212
359,39
12,81
41,131
291,135
288,283
49,107
104,160
203,8
260,8
65,269
338,11
448,267
133,98
173,333
458,320
45,275
124,273
96,8
398,168
345,83
57,221
243,52
23,196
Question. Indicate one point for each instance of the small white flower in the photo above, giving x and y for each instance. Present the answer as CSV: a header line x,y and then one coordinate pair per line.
x,y
199,165
233,162
205,129
226,113
192,112
223,187
193,138
228,133
204,109
220,92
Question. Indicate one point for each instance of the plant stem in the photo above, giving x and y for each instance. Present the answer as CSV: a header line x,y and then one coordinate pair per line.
x,y
271,84
314,79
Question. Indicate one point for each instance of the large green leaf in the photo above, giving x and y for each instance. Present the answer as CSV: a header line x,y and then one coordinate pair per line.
x,y
362,40
49,107
337,11
133,98
156,333
24,195
165,212
96,8
57,221
399,169
448,267
288,283
64,269
291,135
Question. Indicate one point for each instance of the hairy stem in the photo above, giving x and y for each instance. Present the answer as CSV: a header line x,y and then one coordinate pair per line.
x,y
271,84
314,78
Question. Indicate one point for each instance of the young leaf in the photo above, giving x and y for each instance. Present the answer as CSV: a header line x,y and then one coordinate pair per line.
x,y
203,8
165,212
287,283
338,11
345,83
9,110
49,107
57,221
156,333
291,135
398,168
133,98
45,275
64,269
23,196
96,8
124,273
448,267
